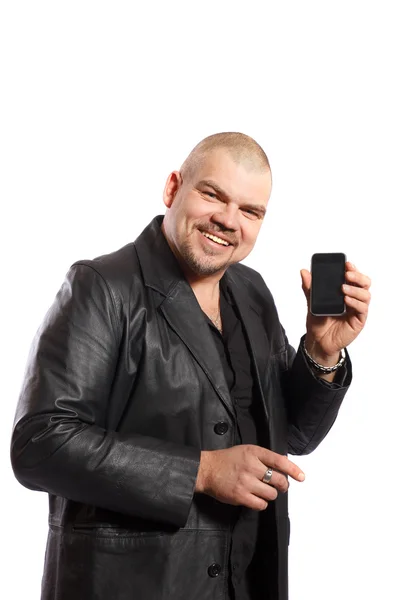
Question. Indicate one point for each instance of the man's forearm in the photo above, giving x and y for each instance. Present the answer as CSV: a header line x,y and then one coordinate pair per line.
x,y
127,473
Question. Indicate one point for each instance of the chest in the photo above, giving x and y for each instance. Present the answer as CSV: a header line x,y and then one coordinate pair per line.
x,y
175,385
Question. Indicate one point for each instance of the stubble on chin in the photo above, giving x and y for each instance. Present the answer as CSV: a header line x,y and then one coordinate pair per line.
x,y
203,266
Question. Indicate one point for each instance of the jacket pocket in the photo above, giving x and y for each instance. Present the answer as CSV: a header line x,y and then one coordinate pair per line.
x,y
152,566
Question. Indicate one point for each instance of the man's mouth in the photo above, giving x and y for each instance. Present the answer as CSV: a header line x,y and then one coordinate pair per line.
x,y
215,238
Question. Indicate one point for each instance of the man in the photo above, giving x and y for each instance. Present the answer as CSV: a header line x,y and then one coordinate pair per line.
x,y
161,399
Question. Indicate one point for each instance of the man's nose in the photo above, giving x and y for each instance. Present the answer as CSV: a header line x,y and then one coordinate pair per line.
x,y
227,218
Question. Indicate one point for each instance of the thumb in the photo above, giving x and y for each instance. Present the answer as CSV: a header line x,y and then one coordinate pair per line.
x,y
306,283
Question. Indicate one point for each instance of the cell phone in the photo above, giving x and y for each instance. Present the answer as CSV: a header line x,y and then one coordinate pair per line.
x,y
328,276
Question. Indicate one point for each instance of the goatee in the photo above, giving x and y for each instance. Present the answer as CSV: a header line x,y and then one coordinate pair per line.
x,y
200,267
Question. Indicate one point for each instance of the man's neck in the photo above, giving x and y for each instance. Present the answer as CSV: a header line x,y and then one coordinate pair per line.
x,y
206,291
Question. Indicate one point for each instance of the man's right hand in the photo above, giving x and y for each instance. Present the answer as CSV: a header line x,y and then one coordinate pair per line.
x,y
234,475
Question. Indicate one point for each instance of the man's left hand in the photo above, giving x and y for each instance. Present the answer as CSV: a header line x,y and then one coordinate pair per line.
x,y
326,336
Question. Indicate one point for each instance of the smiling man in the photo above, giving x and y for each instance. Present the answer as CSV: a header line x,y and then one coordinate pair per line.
x,y
162,397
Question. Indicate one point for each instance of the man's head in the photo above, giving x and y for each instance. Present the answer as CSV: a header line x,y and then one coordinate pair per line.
x,y
222,190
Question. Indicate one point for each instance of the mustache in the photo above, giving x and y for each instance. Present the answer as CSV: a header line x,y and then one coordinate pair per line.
x,y
215,230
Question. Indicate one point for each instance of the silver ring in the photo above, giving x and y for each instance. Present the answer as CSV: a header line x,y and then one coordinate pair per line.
x,y
268,475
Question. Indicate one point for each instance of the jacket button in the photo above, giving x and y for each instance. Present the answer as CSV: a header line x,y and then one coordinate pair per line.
x,y
214,570
221,428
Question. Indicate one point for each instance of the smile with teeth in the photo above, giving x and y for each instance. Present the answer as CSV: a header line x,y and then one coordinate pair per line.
x,y
215,239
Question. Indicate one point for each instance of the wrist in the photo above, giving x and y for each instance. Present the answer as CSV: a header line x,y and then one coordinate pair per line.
x,y
321,357
202,474
326,369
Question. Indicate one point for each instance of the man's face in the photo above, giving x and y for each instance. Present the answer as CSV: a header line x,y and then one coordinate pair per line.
x,y
222,199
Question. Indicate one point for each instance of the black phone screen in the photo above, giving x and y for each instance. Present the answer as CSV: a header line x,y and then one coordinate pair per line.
x,y
327,272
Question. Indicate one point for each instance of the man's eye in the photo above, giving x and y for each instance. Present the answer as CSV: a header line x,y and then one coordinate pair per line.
x,y
250,212
211,194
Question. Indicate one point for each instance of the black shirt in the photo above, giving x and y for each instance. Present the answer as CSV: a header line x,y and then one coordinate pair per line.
x,y
235,358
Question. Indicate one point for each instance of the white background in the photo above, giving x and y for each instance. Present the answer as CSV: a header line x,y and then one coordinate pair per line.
x,y
100,101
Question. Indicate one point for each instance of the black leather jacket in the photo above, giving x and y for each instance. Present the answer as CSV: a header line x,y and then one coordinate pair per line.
x,y
122,391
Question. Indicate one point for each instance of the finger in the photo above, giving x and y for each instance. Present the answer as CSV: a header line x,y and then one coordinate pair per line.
x,y
278,480
358,293
263,490
350,266
357,278
255,503
306,283
281,463
360,307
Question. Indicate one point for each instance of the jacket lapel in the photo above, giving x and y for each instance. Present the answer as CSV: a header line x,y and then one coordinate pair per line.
x,y
185,317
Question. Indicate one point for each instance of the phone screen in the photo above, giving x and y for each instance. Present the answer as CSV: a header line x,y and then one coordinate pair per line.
x,y
327,272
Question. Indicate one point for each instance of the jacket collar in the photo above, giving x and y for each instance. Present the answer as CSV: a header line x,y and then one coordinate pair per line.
x,y
160,269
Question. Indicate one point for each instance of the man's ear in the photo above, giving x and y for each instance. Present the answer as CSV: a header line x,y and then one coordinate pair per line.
x,y
172,186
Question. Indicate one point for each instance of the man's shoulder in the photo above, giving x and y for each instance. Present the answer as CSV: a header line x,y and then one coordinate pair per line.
x,y
116,267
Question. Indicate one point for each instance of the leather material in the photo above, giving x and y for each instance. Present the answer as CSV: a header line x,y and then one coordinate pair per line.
x,y
123,389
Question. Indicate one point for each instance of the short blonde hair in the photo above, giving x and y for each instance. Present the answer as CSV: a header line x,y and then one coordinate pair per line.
x,y
241,147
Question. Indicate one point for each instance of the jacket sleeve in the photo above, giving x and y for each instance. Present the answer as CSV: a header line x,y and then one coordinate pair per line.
x,y
60,443
312,404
